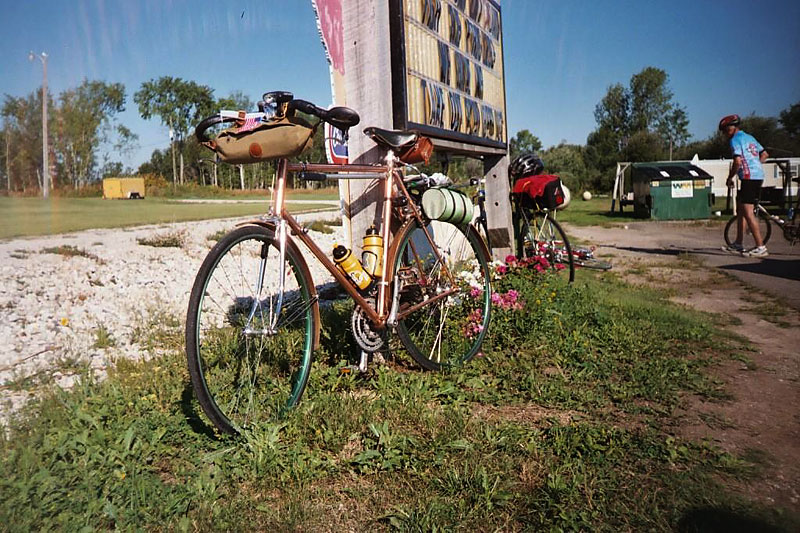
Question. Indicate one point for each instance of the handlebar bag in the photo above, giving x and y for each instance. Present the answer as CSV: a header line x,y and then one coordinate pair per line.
x,y
272,139
542,191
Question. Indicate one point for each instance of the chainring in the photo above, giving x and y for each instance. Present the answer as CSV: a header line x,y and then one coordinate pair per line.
x,y
367,338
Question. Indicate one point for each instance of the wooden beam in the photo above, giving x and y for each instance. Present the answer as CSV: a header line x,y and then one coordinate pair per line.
x,y
498,205
368,86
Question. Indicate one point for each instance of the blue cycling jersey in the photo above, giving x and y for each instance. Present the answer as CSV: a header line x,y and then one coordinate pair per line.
x,y
747,147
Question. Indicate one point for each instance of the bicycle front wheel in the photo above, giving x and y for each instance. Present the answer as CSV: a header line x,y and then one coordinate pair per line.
x,y
545,240
249,342
443,313
748,241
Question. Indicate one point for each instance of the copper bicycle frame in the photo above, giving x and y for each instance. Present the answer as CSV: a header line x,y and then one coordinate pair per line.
x,y
380,315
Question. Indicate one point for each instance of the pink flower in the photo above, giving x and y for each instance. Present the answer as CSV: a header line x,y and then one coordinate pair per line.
x,y
473,326
502,269
508,301
510,259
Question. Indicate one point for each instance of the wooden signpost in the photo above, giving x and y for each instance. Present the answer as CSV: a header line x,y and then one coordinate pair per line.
x,y
435,66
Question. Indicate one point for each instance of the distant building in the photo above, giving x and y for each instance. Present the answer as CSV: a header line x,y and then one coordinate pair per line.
x,y
773,173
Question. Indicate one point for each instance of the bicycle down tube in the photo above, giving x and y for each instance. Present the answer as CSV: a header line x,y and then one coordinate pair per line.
x,y
387,174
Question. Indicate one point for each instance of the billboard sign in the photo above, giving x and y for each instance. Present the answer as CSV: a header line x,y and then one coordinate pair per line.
x,y
447,69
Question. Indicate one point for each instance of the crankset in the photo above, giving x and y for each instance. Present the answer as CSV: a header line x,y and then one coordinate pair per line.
x,y
367,338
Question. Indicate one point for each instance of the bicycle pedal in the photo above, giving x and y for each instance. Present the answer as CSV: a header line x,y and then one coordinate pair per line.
x,y
350,370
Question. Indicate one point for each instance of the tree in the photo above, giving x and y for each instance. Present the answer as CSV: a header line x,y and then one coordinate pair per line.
x,y
84,122
645,114
524,142
644,145
567,160
790,122
22,128
613,116
180,105
237,100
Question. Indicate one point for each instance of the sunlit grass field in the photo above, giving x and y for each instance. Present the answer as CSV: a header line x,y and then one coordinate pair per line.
x,y
22,217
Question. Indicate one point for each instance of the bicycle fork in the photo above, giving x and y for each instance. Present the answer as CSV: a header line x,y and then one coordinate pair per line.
x,y
274,313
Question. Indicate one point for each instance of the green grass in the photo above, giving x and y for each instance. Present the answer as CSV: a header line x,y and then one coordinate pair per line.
x,y
565,424
594,212
597,212
36,216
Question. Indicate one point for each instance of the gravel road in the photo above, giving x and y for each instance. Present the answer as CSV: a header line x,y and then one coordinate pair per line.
x,y
55,307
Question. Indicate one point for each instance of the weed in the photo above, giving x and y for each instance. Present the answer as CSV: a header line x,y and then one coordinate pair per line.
x,y
170,239
103,338
770,311
716,421
324,226
748,362
67,250
217,235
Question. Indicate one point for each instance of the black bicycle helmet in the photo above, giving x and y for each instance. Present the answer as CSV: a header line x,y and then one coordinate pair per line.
x,y
525,165
730,120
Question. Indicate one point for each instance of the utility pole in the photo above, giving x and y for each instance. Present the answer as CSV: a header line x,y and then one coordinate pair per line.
x,y
45,152
172,145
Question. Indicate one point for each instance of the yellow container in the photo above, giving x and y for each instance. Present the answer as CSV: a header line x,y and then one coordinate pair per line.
x,y
123,188
351,267
372,254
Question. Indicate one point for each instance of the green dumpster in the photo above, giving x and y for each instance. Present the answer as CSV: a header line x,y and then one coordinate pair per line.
x,y
671,191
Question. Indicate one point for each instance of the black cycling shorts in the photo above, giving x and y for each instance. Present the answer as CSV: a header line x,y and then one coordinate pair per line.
x,y
749,192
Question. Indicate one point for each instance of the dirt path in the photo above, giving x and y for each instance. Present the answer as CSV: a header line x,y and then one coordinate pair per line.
x,y
757,300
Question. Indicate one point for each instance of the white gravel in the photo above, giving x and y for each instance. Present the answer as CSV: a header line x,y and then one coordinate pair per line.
x,y
52,306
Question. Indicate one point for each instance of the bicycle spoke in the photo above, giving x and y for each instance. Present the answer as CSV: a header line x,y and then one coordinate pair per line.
x,y
436,311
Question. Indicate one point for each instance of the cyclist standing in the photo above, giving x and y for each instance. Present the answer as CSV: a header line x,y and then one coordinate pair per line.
x,y
748,155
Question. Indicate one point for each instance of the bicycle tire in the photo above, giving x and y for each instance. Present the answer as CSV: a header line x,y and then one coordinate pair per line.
x,y
242,378
545,238
449,331
595,264
747,238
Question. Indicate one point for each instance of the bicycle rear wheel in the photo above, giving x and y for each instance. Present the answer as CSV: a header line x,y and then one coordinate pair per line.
x,y
747,238
544,239
440,331
247,362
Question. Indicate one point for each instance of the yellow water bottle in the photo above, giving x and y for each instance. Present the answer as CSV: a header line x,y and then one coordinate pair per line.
x,y
351,267
372,254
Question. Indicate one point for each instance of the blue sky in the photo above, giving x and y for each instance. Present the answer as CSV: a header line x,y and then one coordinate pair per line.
x,y
726,57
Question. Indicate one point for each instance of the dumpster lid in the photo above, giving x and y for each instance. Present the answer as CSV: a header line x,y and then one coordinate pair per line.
x,y
668,171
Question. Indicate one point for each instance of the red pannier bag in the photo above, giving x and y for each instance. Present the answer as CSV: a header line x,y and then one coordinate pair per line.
x,y
542,191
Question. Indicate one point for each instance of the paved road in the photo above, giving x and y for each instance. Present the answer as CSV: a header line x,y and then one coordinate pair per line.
x,y
253,201
778,274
